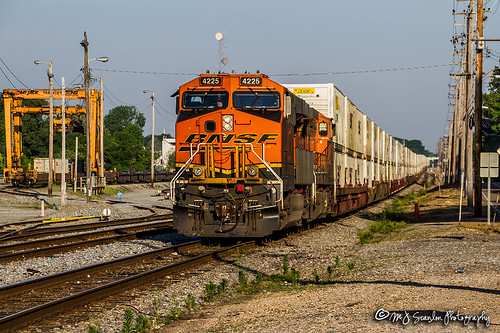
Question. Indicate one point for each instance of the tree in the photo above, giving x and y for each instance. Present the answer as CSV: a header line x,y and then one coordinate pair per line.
x,y
491,114
171,160
416,146
120,117
158,142
123,139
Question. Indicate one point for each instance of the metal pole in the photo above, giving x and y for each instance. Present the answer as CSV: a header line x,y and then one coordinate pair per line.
x,y
469,177
489,195
85,45
153,140
479,114
76,165
63,154
461,196
51,129
101,132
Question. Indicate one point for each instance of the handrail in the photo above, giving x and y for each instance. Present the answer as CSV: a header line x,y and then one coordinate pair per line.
x,y
190,160
272,171
182,169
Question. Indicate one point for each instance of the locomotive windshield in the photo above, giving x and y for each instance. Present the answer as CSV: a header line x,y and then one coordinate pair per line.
x,y
205,99
256,100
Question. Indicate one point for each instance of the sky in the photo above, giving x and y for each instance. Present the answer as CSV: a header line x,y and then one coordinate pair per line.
x,y
161,44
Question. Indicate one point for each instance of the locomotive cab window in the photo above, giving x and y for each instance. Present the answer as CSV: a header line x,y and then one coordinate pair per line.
x,y
205,99
256,100
323,129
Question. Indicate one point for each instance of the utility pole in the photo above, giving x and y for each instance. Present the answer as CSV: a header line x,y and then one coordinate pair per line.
x,y
75,168
153,141
101,132
469,63
63,154
85,45
478,191
152,136
51,129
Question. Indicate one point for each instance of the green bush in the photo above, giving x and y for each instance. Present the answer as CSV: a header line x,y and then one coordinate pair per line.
x,y
364,237
141,324
222,288
190,301
127,321
243,281
209,292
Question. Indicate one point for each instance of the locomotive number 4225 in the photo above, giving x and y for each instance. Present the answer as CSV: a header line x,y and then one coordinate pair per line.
x,y
250,81
210,81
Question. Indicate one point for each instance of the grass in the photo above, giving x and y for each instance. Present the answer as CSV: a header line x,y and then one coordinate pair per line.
x,y
391,219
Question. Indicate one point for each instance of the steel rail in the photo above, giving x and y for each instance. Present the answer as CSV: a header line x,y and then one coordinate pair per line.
x,y
28,316
35,231
159,227
49,280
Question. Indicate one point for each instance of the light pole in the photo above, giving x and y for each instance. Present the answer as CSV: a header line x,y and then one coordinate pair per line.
x,y
152,136
86,74
101,133
63,153
51,125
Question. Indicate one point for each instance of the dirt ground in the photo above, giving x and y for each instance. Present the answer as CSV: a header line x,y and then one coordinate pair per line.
x,y
435,275
24,208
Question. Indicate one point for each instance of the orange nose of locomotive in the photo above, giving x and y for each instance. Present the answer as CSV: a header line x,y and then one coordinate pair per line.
x,y
228,156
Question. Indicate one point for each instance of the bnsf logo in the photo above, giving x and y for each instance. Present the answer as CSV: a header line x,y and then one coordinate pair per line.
x,y
230,138
241,138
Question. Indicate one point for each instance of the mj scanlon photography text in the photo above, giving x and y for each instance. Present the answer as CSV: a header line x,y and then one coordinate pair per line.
x,y
415,317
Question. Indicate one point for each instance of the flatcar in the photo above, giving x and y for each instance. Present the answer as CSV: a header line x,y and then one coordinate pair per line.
x,y
253,158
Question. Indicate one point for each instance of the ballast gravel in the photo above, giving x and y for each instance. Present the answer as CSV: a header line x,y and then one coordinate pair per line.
x,y
400,279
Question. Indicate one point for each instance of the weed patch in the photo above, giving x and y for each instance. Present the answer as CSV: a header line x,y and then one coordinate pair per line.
x,y
392,218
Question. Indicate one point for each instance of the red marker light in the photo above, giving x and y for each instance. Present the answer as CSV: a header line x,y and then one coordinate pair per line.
x,y
240,188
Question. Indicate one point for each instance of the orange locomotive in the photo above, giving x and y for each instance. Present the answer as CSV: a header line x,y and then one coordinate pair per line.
x,y
253,158
249,158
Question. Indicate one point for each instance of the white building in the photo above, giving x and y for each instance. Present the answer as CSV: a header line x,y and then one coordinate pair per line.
x,y
167,147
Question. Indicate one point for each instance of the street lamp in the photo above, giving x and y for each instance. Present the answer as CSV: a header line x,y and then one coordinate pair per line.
x,y
63,150
152,136
86,73
51,124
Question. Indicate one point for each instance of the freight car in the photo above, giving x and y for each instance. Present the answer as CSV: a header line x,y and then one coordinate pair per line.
x,y
41,178
253,158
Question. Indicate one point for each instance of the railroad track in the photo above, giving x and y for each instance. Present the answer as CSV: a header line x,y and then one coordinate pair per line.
x,y
49,246
23,303
43,229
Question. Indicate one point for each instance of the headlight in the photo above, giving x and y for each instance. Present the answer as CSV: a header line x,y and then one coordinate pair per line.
x,y
198,172
252,171
227,122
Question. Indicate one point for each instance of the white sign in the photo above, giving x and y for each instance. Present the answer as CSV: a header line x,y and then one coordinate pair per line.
x,y
489,165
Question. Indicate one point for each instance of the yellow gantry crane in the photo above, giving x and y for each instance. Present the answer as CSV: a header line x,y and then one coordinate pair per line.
x,y
14,110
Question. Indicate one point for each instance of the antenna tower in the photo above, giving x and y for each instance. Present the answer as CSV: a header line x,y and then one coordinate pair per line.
x,y
222,50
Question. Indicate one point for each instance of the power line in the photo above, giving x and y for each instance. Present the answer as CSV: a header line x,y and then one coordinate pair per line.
x,y
76,78
14,75
141,72
363,71
110,99
7,78
285,74
119,100
161,107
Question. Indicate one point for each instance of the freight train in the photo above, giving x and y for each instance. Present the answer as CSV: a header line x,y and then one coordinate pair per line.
x,y
253,158
41,178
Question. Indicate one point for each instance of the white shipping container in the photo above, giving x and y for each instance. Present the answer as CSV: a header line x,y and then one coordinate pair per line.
x,y
42,165
318,96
